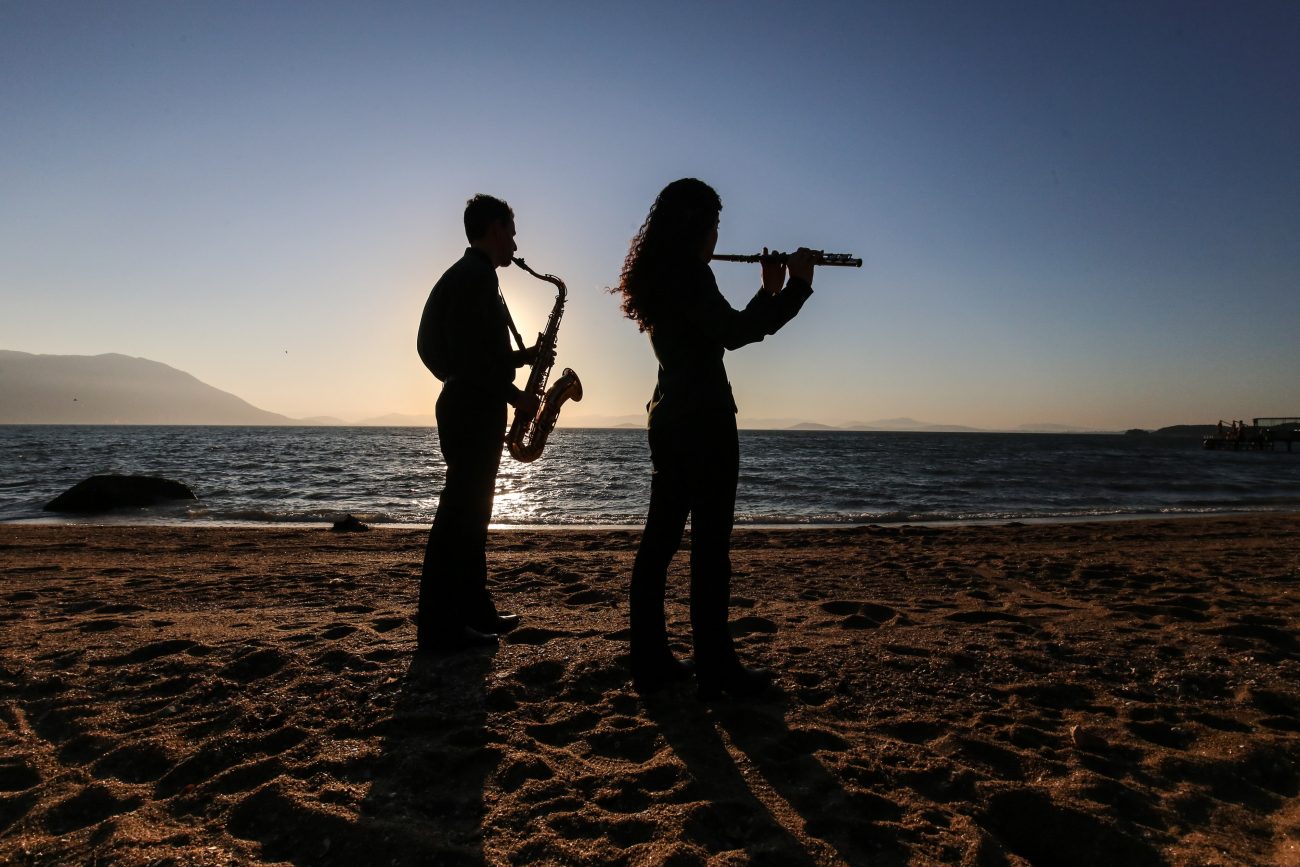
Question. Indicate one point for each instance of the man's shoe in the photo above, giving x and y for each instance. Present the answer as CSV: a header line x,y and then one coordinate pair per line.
x,y
498,623
462,638
736,681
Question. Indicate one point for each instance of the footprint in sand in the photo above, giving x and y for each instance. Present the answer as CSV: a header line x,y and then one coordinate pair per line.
x,y
353,609
142,762
276,742
625,739
1256,631
859,615
1056,696
255,665
210,760
339,661
338,630
913,731
982,617
543,673
907,650
934,604
560,732
101,625
587,597
1274,702
81,606
16,775
386,624
1028,823
1163,734
152,651
518,772
660,778
383,655
170,687
623,799
535,635
119,608
752,624
90,806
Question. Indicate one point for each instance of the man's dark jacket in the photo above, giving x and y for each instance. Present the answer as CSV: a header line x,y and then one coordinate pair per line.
x,y
464,339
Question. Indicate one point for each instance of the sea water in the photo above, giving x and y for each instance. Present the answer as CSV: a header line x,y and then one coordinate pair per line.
x,y
602,477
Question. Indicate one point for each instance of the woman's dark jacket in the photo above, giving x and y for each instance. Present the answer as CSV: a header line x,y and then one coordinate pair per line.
x,y
692,325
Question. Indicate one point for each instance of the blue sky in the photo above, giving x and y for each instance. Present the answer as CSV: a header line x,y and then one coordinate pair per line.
x,y
1082,213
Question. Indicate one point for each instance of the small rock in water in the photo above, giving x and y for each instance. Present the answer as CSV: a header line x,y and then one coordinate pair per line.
x,y
350,524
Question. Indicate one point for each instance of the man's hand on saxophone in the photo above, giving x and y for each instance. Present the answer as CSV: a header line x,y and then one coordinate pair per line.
x,y
527,404
525,357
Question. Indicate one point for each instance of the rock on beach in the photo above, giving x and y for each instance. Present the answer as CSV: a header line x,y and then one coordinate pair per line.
x,y
105,493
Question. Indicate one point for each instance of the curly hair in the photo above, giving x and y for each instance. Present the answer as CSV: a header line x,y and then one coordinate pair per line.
x,y
673,233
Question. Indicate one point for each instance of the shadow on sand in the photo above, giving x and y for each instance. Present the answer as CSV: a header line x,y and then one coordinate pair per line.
x,y
769,793
424,803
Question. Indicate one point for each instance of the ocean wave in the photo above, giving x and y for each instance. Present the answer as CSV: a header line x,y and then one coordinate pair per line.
x,y
308,516
390,476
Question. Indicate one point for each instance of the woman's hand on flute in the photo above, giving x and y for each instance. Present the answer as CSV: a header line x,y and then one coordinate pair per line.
x,y
773,274
800,263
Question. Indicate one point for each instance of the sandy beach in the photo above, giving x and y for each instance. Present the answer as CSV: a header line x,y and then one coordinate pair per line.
x,y
1074,694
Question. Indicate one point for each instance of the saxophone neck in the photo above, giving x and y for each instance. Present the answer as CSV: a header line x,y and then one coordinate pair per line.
x,y
549,278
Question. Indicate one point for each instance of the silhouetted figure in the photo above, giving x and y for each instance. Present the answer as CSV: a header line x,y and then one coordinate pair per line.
x,y
465,342
668,289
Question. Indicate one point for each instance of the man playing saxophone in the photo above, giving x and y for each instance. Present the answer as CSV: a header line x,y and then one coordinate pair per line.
x,y
465,342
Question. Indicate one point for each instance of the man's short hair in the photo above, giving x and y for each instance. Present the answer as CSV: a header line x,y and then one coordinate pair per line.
x,y
481,212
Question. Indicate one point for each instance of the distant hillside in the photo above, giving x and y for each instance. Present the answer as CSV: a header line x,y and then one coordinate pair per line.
x,y
114,389
1187,430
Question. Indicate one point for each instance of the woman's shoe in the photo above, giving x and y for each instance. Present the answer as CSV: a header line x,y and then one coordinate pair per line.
x,y
654,676
736,681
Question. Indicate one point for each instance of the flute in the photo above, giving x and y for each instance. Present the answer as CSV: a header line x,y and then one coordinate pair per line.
x,y
846,260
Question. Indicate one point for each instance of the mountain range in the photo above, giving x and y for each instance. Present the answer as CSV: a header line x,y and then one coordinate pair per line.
x,y
120,389
115,389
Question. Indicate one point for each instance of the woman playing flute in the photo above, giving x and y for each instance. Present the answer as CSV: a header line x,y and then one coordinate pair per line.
x,y
669,290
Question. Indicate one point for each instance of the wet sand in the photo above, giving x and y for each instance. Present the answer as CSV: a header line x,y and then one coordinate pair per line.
x,y
1071,694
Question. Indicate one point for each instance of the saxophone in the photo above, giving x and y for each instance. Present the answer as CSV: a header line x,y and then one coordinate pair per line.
x,y
527,436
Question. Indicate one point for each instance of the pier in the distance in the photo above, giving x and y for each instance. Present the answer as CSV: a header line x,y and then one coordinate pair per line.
x,y
1262,434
